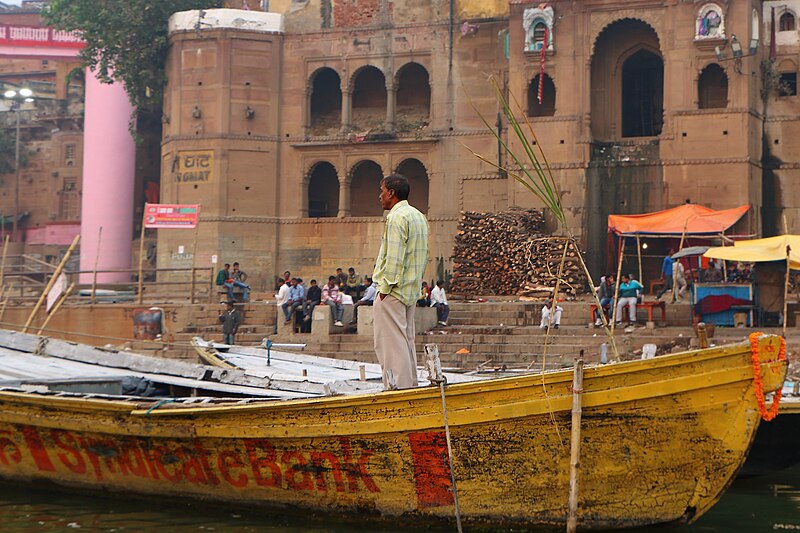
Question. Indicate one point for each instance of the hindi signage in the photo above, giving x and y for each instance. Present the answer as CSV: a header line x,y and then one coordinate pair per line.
x,y
175,216
196,166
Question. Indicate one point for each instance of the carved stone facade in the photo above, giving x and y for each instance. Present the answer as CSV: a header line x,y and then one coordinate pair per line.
x,y
643,117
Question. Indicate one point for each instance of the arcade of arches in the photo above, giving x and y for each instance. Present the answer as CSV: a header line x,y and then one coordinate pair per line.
x,y
328,196
371,104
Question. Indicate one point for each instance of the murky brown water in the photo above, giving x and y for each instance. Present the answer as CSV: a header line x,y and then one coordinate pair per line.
x,y
756,505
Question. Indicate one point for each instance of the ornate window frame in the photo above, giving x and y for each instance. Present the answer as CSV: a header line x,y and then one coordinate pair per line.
x,y
719,32
533,16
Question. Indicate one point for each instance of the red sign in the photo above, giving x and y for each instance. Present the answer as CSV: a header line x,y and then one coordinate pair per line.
x,y
39,36
175,216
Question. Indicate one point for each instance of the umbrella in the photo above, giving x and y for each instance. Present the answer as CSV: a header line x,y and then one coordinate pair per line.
x,y
691,250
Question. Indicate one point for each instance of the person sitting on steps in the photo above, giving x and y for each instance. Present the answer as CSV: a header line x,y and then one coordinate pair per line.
x,y
629,291
313,298
606,295
556,320
439,301
333,298
237,279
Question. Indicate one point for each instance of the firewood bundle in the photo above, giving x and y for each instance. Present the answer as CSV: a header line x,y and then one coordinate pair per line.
x,y
507,253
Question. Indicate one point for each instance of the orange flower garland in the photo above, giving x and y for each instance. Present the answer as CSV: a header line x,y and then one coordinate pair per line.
x,y
776,399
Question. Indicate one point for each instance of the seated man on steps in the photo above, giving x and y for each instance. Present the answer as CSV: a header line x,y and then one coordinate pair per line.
x,y
333,298
629,291
238,278
556,320
297,296
367,299
439,301
313,298
606,295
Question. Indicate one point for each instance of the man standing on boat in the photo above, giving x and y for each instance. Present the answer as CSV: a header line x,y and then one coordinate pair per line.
x,y
398,272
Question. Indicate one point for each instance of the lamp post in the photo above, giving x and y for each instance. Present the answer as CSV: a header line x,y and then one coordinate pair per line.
x,y
17,98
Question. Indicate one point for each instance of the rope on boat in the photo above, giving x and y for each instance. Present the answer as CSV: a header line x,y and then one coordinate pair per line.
x,y
158,404
435,375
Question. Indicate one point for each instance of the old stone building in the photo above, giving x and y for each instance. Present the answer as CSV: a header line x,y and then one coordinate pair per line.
x,y
281,123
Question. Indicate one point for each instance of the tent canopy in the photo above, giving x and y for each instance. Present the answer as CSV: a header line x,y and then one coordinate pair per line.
x,y
691,219
760,250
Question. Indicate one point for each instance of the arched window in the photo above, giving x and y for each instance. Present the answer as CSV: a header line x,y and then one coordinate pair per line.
x,y
417,176
539,34
413,97
369,99
642,95
787,22
326,102
712,88
323,191
365,187
548,106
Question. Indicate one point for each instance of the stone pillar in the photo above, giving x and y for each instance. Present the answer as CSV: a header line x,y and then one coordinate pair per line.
x,y
344,197
109,156
347,110
307,111
391,99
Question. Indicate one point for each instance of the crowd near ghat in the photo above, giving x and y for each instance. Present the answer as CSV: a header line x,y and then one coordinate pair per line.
x,y
342,465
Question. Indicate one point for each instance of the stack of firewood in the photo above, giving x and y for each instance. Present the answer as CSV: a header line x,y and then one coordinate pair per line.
x,y
507,253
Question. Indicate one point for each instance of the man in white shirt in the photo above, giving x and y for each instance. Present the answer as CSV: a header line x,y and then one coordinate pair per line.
x,y
283,293
556,310
439,301
368,298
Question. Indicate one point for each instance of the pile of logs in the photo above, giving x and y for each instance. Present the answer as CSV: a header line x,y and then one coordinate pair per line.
x,y
507,253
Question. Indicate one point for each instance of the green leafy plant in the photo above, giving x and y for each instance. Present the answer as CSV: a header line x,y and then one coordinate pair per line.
x,y
532,170
126,40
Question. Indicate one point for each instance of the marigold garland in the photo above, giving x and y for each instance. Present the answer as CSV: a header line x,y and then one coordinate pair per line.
x,y
759,385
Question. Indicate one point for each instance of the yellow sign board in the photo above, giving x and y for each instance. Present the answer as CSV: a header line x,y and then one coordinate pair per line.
x,y
195,166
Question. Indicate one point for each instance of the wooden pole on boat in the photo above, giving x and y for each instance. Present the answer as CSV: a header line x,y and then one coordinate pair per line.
x,y
575,445
639,253
614,317
52,282
194,254
141,257
786,290
55,308
96,261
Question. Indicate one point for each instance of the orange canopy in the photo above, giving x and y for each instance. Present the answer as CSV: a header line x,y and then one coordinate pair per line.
x,y
689,218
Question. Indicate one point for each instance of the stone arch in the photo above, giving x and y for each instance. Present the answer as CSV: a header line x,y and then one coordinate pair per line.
x,y
369,98
413,97
548,106
365,182
323,190
627,81
712,88
325,101
417,176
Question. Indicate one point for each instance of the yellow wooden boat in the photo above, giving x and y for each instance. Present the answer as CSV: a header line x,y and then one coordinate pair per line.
x,y
661,439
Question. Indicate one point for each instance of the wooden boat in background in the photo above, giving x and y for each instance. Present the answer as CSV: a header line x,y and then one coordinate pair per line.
x,y
661,440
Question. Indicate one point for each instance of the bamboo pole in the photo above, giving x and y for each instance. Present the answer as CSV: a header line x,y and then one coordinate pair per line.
x,y
3,263
567,241
639,253
55,308
786,290
194,254
141,258
575,445
96,261
52,282
614,317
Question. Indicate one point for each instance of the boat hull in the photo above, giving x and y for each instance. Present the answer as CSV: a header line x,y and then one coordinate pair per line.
x,y
660,441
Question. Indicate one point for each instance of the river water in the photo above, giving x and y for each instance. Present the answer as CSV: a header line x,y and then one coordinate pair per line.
x,y
765,504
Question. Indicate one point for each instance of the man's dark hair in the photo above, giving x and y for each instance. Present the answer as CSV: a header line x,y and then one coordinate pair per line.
x,y
299,280
440,283
331,278
227,264
368,279
339,269
313,282
351,269
626,276
398,184
236,264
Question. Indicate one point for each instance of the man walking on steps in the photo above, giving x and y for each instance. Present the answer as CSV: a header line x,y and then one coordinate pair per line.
x,y
398,273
